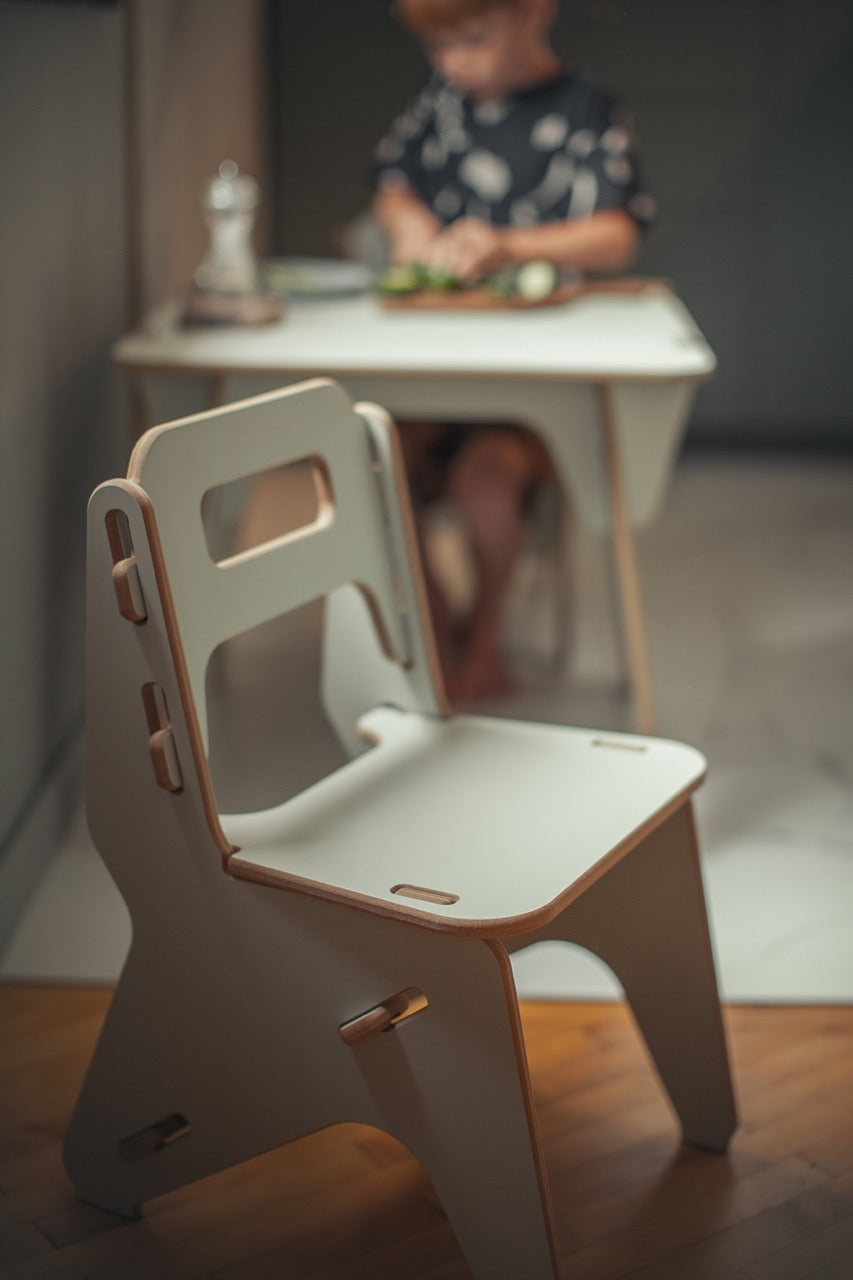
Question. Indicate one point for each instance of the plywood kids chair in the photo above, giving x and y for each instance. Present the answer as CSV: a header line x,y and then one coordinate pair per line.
x,y
344,955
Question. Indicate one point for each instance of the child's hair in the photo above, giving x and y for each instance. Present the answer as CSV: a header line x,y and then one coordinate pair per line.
x,y
428,16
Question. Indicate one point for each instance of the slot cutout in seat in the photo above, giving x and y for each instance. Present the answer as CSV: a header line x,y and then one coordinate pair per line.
x,y
439,896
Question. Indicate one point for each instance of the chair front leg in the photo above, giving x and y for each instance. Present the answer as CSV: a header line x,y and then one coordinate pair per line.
x,y
452,1085
646,919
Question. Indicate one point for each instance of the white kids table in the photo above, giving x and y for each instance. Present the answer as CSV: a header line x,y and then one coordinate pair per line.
x,y
607,380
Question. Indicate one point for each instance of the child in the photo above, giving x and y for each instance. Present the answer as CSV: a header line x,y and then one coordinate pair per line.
x,y
504,157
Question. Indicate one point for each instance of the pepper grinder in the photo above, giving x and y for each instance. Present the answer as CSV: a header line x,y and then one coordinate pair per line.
x,y
229,201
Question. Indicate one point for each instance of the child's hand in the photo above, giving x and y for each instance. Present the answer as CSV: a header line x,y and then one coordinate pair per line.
x,y
409,225
413,244
468,248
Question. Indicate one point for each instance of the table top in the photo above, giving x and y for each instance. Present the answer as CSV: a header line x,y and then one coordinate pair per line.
x,y
646,334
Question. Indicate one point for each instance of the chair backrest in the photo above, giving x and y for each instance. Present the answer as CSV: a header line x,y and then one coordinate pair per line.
x,y
362,533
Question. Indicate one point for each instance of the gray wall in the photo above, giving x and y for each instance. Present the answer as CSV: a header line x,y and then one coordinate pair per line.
x,y
111,117
744,110
62,302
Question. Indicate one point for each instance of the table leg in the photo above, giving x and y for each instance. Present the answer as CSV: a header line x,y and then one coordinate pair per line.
x,y
217,390
624,551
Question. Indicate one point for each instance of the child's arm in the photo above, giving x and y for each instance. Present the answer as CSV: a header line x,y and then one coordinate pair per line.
x,y
408,223
606,240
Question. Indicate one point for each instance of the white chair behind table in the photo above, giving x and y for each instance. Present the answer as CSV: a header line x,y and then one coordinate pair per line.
x,y
271,949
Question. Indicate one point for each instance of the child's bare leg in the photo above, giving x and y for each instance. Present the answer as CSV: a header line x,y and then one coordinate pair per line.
x,y
426,447
485,474
487,485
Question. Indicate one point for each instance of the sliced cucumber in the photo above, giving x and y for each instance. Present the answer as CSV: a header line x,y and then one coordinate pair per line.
x,y
401,279
411,276
436,278
536,280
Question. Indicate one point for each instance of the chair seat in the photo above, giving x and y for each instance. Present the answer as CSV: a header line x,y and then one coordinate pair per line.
x,y
506,820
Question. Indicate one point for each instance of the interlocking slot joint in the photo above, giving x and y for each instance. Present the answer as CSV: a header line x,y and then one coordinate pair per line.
x,y
125,574
161,741
147,1142
383,1017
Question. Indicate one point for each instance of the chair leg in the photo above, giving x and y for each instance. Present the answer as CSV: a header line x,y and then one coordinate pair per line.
x,y
661,953
455,1090
211,1054
165,1100
132,1106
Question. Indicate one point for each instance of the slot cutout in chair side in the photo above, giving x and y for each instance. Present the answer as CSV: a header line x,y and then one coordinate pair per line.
x,y
384,1016
161,739
125,575
148,1141
265,507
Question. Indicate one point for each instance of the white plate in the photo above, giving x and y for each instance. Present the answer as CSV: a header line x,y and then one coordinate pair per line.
x,y
314,277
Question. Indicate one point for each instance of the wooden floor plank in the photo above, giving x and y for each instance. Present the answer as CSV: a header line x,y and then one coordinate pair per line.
x,y
351,1204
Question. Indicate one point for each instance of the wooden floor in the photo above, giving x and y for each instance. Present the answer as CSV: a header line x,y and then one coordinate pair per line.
x,y
350,1203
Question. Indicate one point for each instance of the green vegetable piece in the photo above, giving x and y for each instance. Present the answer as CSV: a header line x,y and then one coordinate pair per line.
x,y
436,278
499,284
401,279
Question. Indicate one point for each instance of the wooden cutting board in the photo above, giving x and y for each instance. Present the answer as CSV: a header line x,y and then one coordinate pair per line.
x,y
475,299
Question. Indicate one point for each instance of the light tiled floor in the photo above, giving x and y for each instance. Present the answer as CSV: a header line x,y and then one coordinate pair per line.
x,y
748,583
